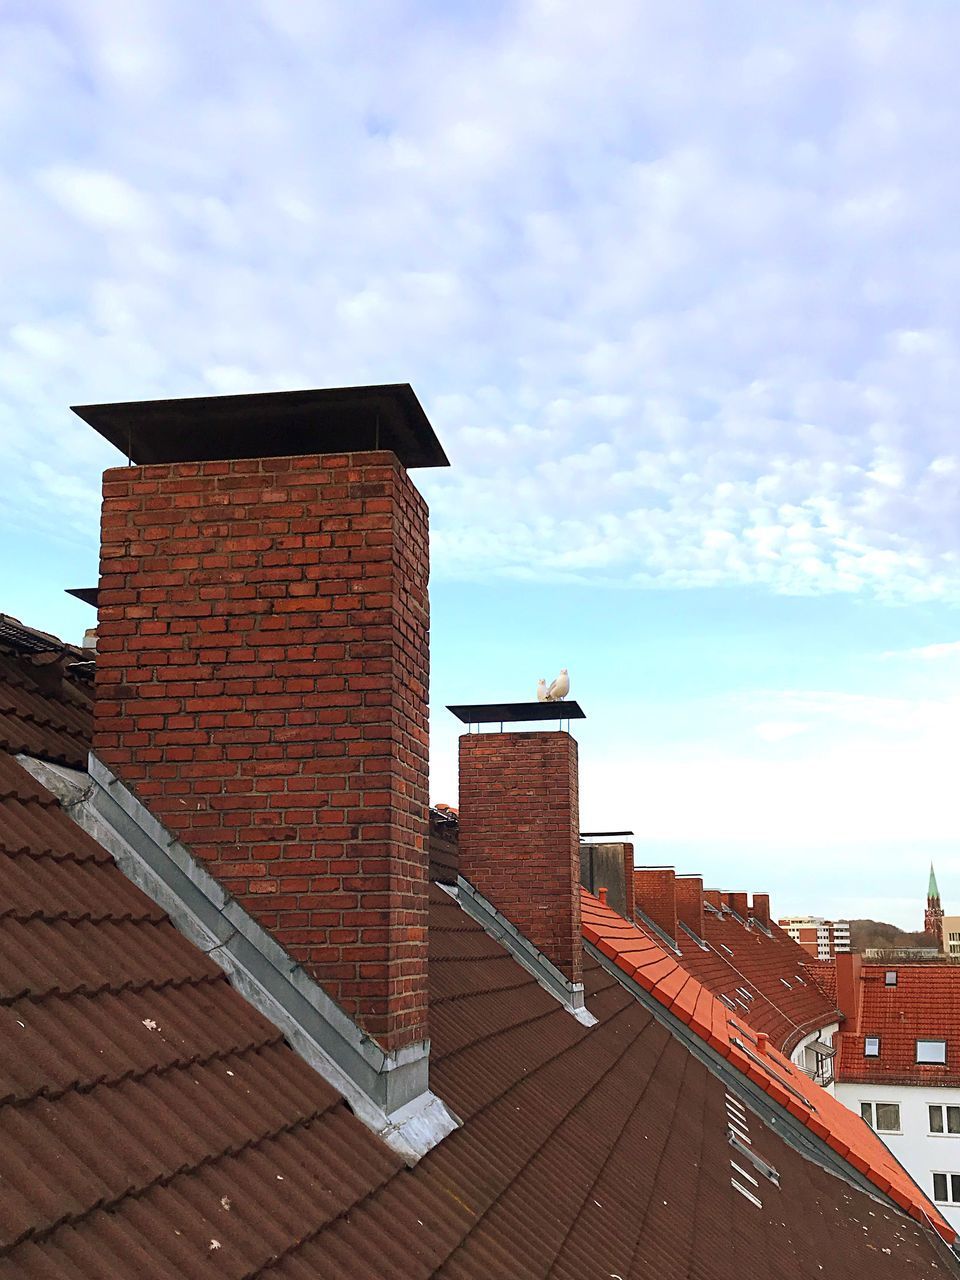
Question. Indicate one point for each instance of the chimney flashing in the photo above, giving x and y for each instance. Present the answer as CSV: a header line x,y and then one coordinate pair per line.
x,y
387,1090
495,923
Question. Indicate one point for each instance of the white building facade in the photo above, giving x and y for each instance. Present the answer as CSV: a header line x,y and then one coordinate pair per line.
x,y
821,938
921,1126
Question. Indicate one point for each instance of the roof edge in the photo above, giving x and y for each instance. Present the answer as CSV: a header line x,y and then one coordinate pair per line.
x,y
389,1092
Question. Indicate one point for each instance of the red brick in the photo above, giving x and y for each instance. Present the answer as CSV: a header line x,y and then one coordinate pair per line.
x,y
264,632
520,836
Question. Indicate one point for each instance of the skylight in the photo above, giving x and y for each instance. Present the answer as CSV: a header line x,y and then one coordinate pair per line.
x,y
871,1047
890,978
932,1051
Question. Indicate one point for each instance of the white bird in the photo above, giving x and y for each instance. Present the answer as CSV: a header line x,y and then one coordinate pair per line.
x,y
560,687
542,695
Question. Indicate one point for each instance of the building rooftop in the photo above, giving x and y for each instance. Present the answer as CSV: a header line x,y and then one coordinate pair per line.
x,y
153,1124
922,1004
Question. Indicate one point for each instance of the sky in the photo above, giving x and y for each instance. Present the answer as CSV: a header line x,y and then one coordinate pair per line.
x,y
678,288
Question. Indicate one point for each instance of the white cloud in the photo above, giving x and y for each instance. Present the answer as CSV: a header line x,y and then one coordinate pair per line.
x,y
697,329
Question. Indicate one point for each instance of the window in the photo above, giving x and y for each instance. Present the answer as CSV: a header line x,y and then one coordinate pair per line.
x,y
937,1119
944,1183
882,1116
932,1051
890,978
871,1047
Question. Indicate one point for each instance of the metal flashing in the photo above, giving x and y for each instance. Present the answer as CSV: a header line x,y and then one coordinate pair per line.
x,y
494,923
389,1092
656,930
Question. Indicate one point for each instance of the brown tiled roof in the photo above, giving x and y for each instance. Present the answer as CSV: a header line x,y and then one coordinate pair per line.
x,y
152,1124
44,710
786,1004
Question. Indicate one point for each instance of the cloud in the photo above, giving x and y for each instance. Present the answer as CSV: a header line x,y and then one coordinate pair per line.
x,y
695,329
928,652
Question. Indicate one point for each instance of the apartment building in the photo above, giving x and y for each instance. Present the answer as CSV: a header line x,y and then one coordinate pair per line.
x,y
821,938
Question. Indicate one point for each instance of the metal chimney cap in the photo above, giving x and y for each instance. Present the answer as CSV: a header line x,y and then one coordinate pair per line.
x,y
271,424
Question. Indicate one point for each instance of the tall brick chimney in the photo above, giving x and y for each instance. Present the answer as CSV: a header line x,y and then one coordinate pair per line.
x,y
263,666
737,902
760,908
849,964
520,836
655,896
689,899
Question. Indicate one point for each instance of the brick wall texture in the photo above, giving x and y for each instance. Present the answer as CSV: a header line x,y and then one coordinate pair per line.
x,y
654,894
520,836
262,676
689,899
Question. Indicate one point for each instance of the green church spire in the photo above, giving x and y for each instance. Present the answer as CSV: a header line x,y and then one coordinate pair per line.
x,y
932,890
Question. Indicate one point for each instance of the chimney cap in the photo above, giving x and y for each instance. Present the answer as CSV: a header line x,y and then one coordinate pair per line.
x,y
89,595
511,712
271,424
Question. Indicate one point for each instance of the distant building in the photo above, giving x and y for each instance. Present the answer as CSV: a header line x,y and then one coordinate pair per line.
x,y
821,938
933,916
898,1065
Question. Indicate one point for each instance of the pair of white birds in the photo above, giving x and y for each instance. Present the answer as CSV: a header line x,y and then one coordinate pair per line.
x,y
557,691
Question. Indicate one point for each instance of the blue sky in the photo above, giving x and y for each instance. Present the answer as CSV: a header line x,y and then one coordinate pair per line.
x,y
678,286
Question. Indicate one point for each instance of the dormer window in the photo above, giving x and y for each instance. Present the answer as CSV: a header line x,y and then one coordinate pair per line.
x,y
871,1047
934,1051
890,978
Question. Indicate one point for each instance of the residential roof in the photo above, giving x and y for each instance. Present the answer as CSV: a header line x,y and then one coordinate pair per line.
x,y
782,1000
650,964
923,1005
45,709
153,1124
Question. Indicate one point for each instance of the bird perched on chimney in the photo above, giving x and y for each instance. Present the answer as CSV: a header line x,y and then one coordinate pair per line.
x,y
560,687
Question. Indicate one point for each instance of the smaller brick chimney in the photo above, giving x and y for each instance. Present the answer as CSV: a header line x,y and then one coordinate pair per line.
x,y
520,836
689,898
849,965
609,865
761,908
714,897
737,902
655,896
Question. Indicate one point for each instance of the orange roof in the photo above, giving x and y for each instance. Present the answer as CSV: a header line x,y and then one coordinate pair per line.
x,y
644,959
770,965
924,1005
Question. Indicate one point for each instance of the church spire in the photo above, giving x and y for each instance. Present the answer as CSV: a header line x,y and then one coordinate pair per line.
x,y
933,916
933,893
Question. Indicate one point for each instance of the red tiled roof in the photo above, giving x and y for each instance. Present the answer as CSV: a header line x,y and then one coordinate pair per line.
x,y
153,1124
43,712
824,973
762,963
924,1005
644,959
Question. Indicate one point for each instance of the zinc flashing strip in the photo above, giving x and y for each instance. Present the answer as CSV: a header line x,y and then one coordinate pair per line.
x,y
389,1092
780,1120
569,994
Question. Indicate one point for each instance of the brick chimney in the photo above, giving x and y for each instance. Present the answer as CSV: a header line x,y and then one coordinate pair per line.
x,y
655,895
849,965
760,910
520,836
714,897
263,664
609,865
689,899
737,902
